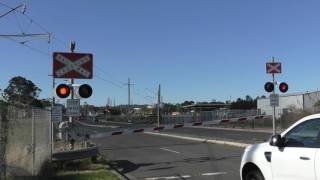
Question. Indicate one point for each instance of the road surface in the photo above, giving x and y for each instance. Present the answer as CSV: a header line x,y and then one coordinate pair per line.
x,y
243,136
152,157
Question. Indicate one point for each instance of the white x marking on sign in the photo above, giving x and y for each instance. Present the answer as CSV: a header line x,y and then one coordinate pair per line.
x,y
70,65
273,68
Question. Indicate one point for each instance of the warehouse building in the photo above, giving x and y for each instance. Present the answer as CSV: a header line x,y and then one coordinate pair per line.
x,y
303,101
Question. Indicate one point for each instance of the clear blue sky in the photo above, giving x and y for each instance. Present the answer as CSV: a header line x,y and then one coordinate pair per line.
x,y
197,50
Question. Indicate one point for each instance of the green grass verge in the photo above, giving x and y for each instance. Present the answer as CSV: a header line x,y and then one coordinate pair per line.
x,y
94,168
86,175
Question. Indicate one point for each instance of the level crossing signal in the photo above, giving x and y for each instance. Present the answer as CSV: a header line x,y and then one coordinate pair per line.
x,y
64,90
85,91
283,87
269,87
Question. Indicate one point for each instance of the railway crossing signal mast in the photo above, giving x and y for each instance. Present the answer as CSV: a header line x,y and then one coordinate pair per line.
x,y
274,68
70,65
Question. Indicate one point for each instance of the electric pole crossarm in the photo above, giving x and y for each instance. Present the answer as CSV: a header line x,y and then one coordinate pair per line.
x,y
23,35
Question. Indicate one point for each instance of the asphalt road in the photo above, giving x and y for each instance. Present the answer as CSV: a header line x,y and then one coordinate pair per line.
x,y
243,136
152,157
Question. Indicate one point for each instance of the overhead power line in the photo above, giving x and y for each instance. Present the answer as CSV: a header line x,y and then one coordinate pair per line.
x,y
51,37
12,10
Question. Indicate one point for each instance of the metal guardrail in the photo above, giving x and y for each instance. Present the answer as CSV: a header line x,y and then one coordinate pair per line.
x,y
75,154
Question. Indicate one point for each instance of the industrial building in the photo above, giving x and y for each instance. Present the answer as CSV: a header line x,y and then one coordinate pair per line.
x,y
303,101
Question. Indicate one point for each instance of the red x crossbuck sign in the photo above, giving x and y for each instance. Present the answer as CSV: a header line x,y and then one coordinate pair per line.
x,y
273,67
72,65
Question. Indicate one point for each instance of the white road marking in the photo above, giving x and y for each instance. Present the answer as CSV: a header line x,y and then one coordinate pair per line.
x,y
212,141
185,176
165,149
214,174
169,177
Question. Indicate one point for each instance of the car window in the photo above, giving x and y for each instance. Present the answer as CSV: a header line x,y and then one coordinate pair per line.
x,y
305,134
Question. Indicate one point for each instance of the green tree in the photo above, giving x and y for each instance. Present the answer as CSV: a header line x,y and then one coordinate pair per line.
x,y
247,103
21,91
185,103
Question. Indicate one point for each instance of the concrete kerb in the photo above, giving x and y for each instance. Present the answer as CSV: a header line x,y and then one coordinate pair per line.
x,y
94,125
212,141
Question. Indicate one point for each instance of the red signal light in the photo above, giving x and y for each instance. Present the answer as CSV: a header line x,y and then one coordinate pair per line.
x,y
283,87
63,91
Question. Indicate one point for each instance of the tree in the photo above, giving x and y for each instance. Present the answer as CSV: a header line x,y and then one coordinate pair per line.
x,y
20,90
247,103
42,103
169,108
185,103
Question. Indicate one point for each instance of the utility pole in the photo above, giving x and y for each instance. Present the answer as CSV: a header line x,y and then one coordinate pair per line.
x,y
129,97
158,107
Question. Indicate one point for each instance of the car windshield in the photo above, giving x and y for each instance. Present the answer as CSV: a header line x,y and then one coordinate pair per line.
x,y
152,89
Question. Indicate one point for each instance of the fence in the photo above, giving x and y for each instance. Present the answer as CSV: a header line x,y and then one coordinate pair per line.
x,y
25,141
139,119
207,116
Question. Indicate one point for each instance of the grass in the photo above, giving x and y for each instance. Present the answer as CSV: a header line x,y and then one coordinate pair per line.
x,y
103,174
87,169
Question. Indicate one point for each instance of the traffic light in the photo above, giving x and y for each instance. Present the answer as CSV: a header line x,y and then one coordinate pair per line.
x,y
85,91
283,87
63,90
269,87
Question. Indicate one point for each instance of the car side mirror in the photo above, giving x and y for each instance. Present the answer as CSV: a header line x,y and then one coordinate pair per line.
x,y
276,140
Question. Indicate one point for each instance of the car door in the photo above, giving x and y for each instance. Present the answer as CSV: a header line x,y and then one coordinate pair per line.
x,y
296,160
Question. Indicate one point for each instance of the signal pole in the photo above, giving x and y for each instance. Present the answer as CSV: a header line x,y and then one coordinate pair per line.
x,y
274,68
72,47
274,107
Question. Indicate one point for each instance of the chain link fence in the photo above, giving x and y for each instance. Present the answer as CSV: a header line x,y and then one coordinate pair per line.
x,y
25,141
207,116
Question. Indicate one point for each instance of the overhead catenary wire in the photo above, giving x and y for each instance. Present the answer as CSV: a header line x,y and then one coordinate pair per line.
x,y
23,34
11,9
121,87
32,21
30,47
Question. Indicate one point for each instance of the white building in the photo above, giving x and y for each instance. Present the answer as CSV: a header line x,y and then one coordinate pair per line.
x,y
303,101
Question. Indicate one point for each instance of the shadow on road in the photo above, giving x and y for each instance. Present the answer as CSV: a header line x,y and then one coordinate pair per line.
x,y
125,166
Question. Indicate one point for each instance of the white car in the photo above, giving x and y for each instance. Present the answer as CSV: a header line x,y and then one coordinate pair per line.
x,y
293,155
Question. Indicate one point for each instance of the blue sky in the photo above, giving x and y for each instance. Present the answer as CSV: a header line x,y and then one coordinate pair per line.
x,y
197,50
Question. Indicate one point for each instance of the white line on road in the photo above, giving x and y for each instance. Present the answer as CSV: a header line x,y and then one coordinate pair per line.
x,y
213,141
214,174
165,149
185,176
169,177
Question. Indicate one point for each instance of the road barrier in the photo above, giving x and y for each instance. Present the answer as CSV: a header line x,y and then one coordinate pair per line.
x,y
180,125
